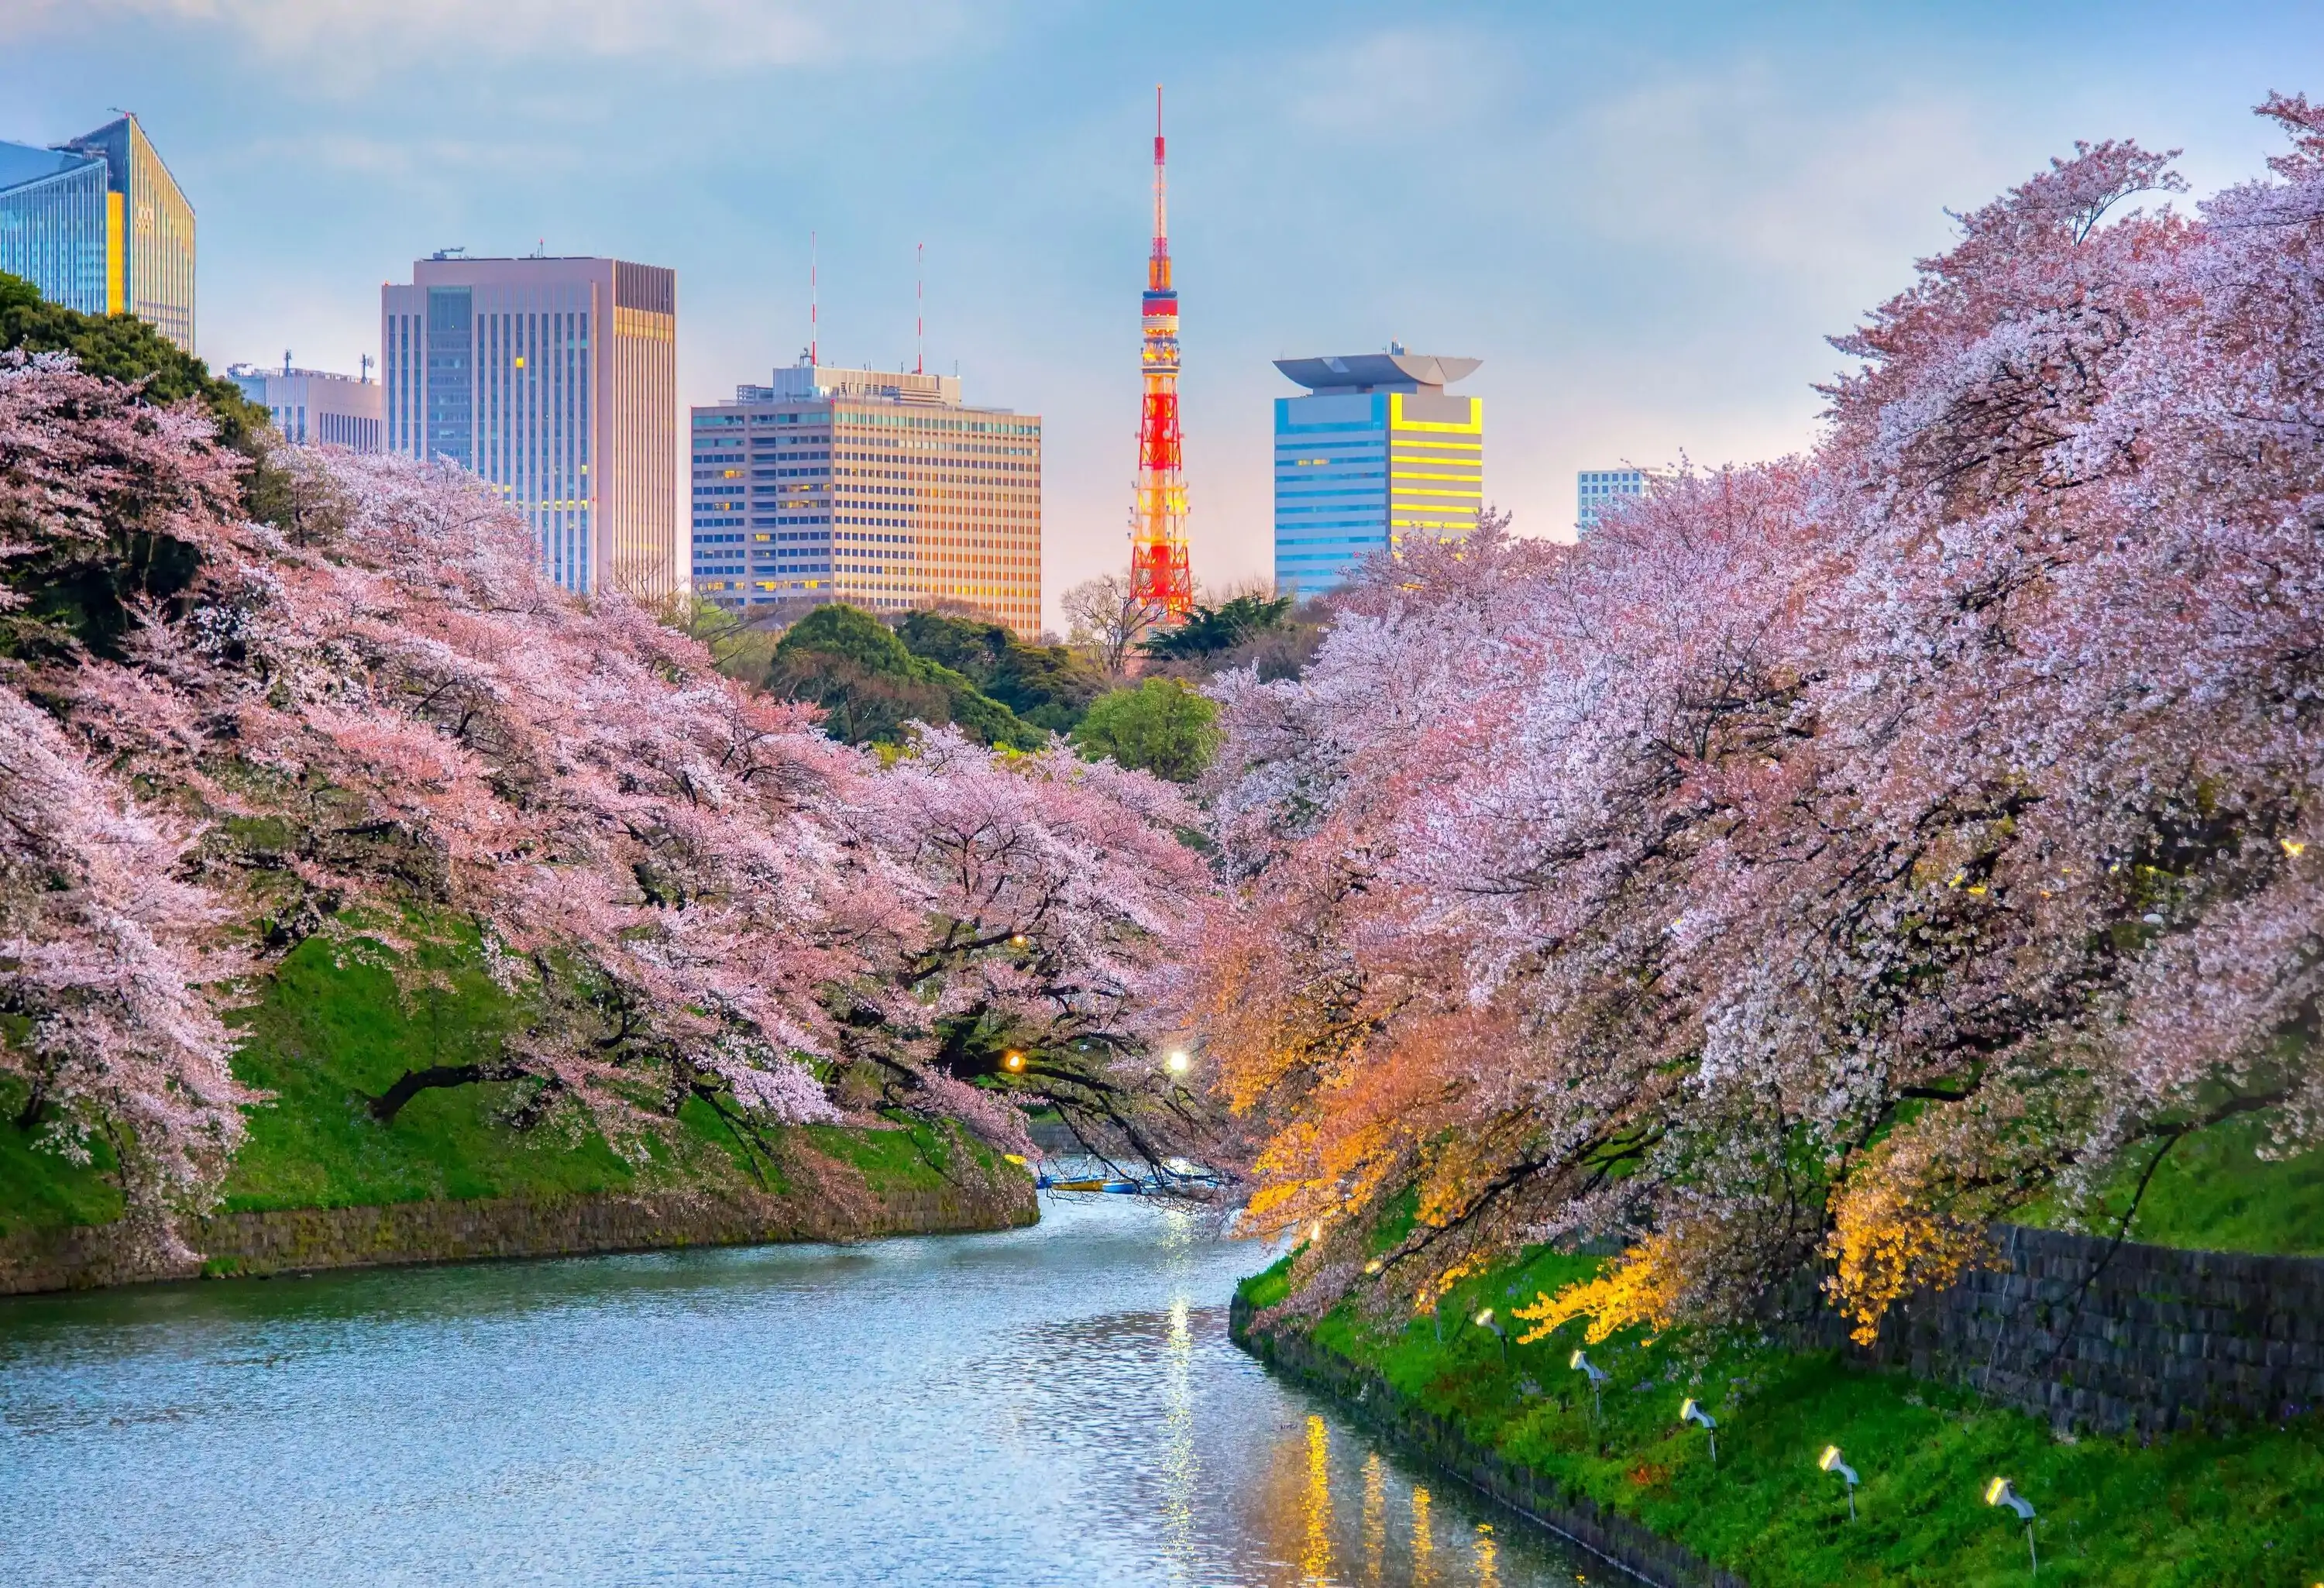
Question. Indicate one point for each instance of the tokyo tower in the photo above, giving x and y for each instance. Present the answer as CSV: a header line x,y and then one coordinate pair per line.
x,y
1159,572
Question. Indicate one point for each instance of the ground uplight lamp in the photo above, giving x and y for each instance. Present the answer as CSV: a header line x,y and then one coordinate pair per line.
x,y
1999,1492
1690,1410
1830,1463
1582,1365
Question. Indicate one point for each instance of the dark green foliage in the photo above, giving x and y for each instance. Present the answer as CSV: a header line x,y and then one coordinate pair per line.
x,y
1047,685
869,686
1161,726
122,347
1215,629
2193,1511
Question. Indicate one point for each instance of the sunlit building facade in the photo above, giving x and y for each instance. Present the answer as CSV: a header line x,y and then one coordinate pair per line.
x,y
1378,453
875,487
312,407
556,380
98,225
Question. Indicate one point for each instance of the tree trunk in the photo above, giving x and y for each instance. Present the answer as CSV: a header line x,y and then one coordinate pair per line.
x,y
389,1103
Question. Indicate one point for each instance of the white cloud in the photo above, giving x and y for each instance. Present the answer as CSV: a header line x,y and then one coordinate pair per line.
x,y
363,36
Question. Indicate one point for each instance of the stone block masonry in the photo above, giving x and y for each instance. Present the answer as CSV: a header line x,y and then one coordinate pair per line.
x,y
2111,1339
299,1240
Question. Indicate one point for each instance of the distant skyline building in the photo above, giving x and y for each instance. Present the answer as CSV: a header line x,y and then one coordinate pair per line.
x,y
1378,452
312,407
1595,490
879,488
556,381
98,225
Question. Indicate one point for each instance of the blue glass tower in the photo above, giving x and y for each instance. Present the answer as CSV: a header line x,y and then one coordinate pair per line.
x,y
1378,452
52,207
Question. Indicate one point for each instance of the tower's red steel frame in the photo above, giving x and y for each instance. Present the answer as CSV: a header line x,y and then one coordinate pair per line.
x,y
1159,571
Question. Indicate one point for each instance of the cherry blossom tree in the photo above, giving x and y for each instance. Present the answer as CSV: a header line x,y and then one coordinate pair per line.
x,y
103,954
1823,857
372,714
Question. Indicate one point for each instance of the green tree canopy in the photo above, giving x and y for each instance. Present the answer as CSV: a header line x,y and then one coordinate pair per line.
x,y
122,347
1214,629
1047,685
1161,726
870,685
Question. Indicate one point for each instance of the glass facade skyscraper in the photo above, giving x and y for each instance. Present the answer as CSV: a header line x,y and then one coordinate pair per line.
x,y
98,225
556,380
875,487
1378,453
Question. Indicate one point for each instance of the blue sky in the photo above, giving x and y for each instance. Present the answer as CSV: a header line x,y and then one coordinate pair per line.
x,y
1643,218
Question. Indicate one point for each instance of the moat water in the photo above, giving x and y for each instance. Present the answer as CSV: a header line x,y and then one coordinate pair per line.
x,y
1057,1405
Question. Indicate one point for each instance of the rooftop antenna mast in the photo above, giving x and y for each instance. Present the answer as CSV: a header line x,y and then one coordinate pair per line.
x,y
919,309
814,308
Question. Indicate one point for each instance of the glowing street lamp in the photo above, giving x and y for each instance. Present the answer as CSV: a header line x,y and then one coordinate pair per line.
x,y
1830,1463
1177,1063
1581,1363
1691,1411
1484,1320
1013,1062
1999,1492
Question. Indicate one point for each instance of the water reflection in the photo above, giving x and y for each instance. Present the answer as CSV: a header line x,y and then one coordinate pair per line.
x,y
1051,1406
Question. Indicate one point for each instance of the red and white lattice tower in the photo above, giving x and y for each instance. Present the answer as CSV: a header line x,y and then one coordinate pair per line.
x,y
1158,569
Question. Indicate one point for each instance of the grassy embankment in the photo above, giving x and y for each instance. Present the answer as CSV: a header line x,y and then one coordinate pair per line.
x,y
2241,1506
333,1029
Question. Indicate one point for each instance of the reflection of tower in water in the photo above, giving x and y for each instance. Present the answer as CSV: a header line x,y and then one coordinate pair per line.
x,y
1181,1468
1375,1516
1315,1510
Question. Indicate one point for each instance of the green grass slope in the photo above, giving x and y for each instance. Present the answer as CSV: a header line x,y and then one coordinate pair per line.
x,y
2214,1192
2244,1506
333,1028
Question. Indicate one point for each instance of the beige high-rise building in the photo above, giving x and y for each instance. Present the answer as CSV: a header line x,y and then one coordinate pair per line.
x,y
876,487
556,380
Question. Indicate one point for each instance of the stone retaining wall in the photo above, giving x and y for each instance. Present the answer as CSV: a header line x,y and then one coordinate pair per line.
x,y
296,1239
2140,1337
1614,1538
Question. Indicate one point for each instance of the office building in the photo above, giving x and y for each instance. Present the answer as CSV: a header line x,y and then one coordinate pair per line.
x,y
1378,452
556,380
97,223
313,407
1595,490
878,488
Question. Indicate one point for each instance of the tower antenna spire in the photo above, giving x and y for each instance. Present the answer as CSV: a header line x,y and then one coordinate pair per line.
x,y
1160,575
919,309
813,308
